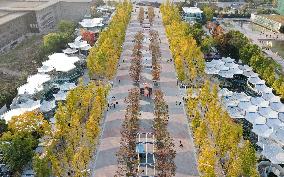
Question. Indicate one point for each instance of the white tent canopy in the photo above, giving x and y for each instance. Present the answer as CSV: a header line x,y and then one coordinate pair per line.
x,y
262,130
78,44
47,106
91,23
29,104
235,112
263,88
227,59
60,96
268,113
45,69
18,111
69,51
256,80
274,153
67,86
259,101
34,84
246,68
61,62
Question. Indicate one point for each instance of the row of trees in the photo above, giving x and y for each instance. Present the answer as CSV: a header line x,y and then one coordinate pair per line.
x,y
20,139
189,61
136,66
141,15
222,149
164,146
103,57
151,14
126,156
156,54
238,46
71,144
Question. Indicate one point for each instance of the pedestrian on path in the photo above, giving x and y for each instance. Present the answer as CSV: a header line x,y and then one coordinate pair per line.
x,y
180,144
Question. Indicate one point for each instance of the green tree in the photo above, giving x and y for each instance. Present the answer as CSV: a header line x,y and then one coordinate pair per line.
x,y
3,126
197,32
208,13
247,51
66,27
66,30
18,150
41,167
207,44
53,42
98,3
229,44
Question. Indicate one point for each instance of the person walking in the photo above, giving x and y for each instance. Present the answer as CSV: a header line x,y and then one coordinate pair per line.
x,y
180,144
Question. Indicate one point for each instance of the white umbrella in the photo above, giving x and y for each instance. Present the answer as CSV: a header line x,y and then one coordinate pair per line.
x,y
245,68
273,122
227,59
235,112
255,118
274,153
262,130
70,51
47,106
259,101
268,113
256,80
211,71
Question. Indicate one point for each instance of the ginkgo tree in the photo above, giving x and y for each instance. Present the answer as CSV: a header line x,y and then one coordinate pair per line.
x,y
19,142
126,155
151,14
77,126
136,66
218,137
103,57
141,15
220,145
164,146
156,54
188,58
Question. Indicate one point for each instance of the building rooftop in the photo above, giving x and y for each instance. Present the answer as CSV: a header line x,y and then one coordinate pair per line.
x,y
192,10
277,18
31,5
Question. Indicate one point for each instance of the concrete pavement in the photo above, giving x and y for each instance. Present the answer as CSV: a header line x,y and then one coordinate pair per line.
x,y
106,163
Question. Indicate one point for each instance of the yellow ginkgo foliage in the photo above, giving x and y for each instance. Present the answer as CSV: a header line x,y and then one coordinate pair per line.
x,y
29,122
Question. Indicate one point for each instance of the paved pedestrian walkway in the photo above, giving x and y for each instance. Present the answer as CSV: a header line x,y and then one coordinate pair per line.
x,y
106,163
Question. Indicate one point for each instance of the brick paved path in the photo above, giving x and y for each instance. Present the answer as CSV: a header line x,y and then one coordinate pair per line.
x,y
106,163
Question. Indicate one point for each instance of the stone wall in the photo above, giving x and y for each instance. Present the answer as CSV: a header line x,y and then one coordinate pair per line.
x,y
48,17
74,11
16,28
43,20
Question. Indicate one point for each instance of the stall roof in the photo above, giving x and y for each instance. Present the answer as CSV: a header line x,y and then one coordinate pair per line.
x,y
47,106
34,84
91,23
60,96
262,130
61,62
18,111
274,153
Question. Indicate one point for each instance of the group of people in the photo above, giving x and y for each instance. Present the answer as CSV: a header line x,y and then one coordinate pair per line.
x,y
112,104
